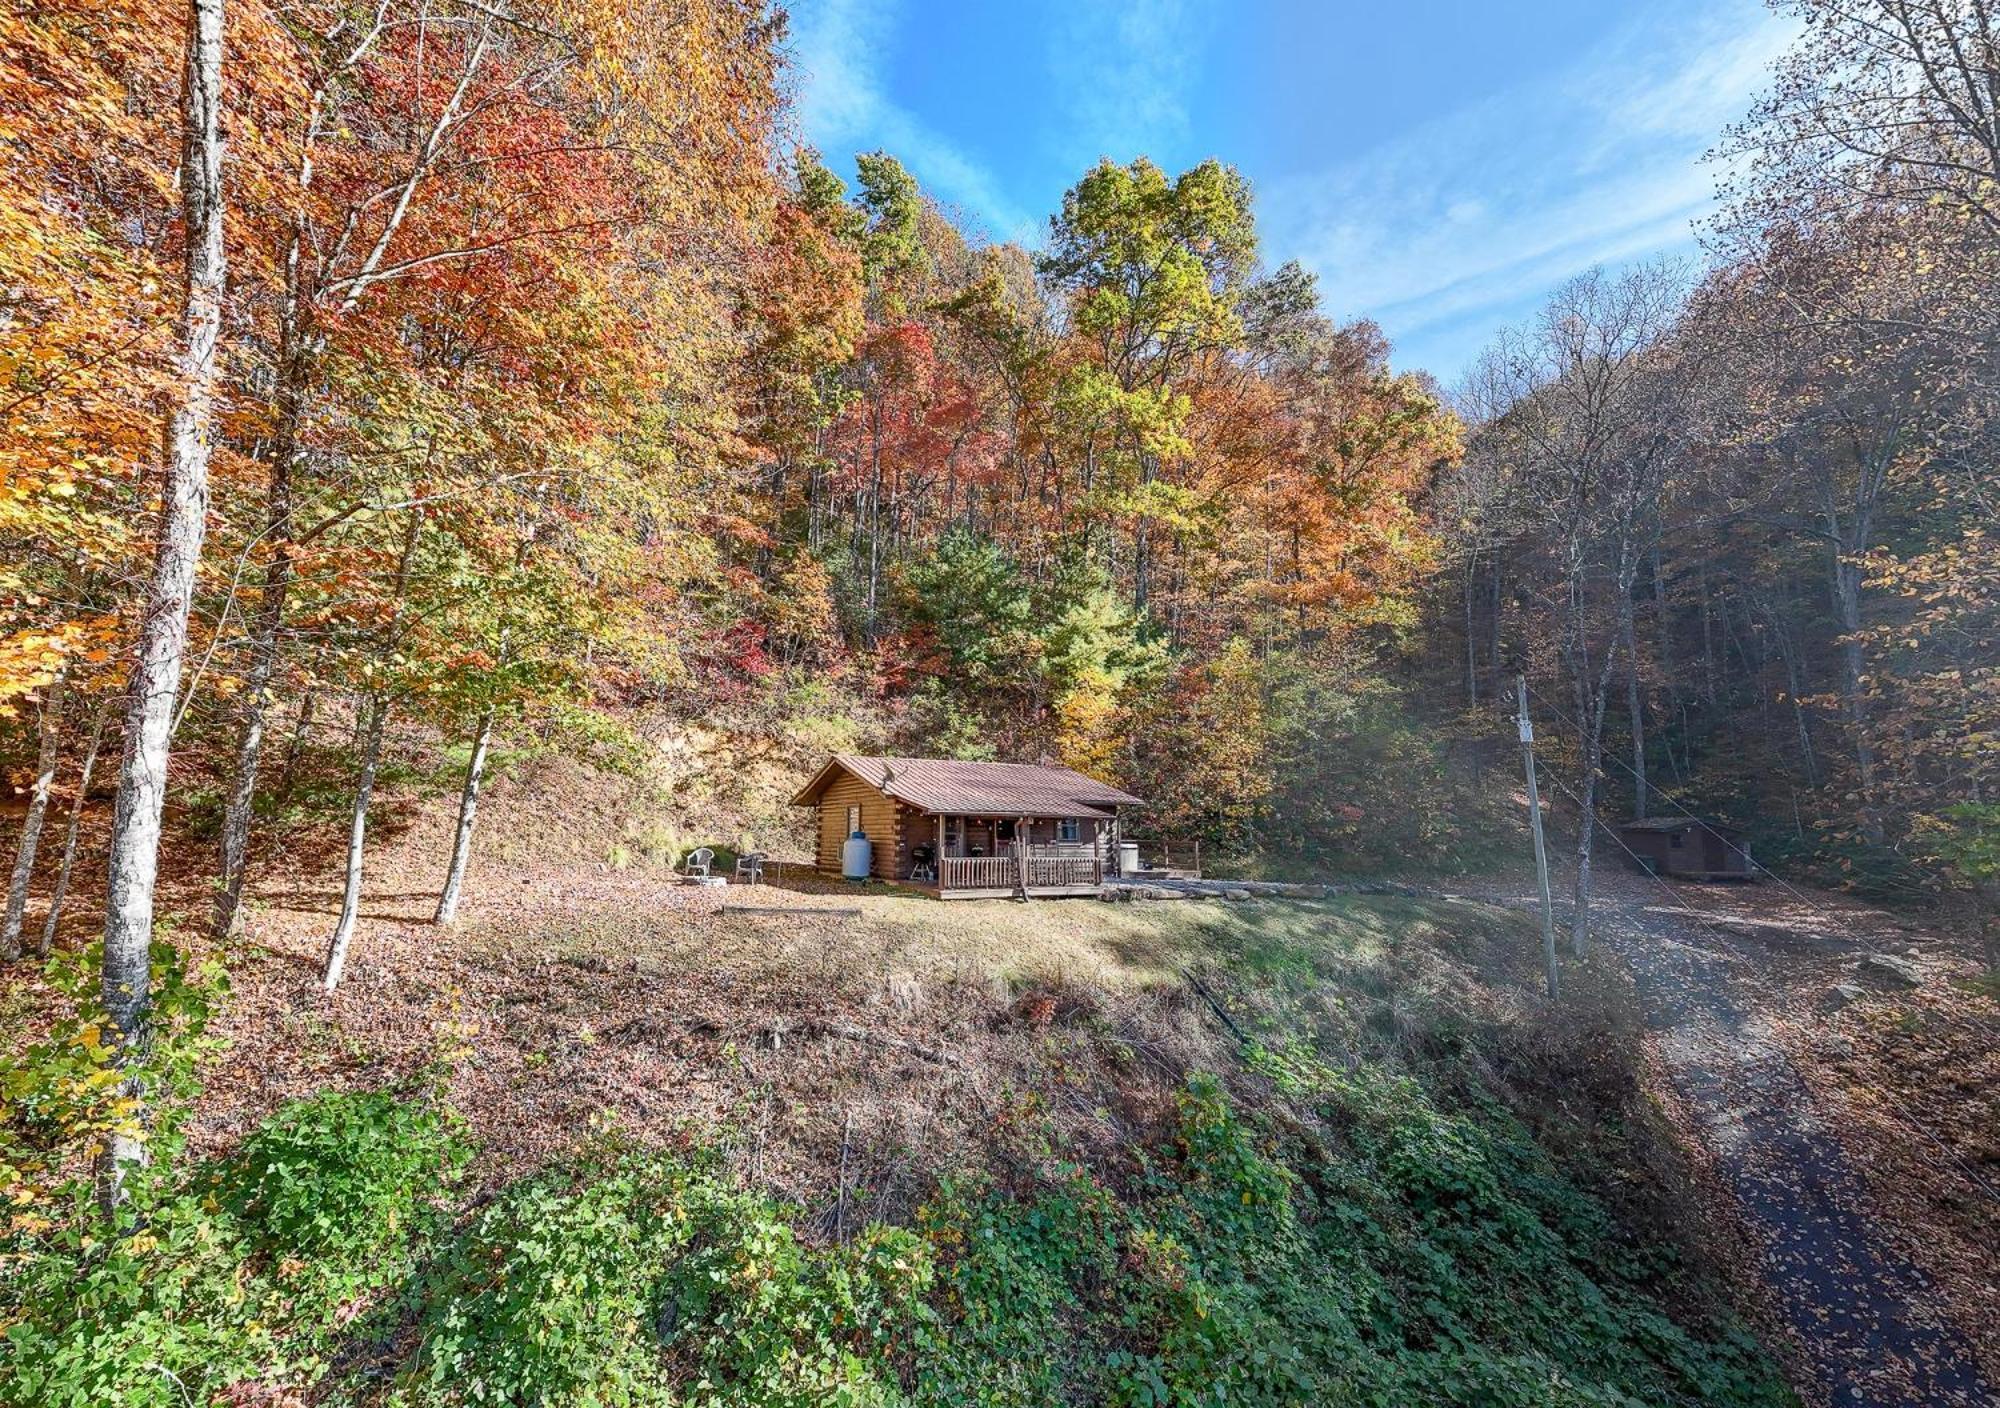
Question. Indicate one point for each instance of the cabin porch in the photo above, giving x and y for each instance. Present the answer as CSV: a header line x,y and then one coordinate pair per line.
x,y
1041,872
972,857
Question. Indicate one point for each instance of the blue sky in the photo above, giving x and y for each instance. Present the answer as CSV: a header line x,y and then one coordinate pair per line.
x,y
1439,165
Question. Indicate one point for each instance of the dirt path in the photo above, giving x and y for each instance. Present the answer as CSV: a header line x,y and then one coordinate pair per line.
x,y
1864,1316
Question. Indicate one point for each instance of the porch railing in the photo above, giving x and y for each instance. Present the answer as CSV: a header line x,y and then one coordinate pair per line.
x,y
1057,870
978,873
1048,868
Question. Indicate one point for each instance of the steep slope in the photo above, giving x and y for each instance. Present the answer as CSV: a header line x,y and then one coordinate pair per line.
x,y
610,1142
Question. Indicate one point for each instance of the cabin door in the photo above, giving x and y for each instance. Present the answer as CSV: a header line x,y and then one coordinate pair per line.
x,y
1714,852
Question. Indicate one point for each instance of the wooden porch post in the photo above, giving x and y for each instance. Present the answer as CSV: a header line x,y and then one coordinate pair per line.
x,y
937,863
1021,852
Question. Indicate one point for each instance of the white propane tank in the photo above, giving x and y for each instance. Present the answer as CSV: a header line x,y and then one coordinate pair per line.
x,y
856,856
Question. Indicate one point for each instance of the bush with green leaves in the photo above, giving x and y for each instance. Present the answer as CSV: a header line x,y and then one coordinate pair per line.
x,y
641,1280
218,1274
1359,1241
1433,1257
343,1177
154,1312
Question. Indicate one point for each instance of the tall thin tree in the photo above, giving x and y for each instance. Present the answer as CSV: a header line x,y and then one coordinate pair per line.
x,y
162,646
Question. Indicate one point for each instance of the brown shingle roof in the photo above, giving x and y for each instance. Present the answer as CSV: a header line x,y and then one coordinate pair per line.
x,y
975,789
1679,823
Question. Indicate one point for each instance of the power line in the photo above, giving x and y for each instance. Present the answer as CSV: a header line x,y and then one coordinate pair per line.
x,y
1683,810
1853,935
1906,1117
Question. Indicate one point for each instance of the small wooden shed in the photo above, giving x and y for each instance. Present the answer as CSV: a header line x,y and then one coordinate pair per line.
x,y
969,830
1688,847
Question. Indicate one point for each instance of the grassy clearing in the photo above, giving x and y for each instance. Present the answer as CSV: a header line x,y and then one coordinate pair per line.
x,y
1080,941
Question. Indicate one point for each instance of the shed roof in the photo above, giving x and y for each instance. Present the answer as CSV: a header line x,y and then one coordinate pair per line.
x,y
1679,823
975,789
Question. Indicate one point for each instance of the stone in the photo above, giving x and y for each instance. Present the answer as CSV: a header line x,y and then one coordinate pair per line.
x,y
1841,994
1888,968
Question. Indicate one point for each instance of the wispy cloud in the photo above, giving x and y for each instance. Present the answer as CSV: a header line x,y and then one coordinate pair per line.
x,y
1124,73
843,108
1449,231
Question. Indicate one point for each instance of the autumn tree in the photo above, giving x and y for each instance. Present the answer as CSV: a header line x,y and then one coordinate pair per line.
x,y
1880,101
1589,413
1150,271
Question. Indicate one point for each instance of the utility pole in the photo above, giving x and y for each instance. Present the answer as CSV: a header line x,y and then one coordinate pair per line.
x,y
1541,846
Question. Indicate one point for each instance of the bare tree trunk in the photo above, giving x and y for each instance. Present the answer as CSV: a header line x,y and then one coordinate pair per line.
x,y
1788,654
1593,758
288,774
1471,635
299,345
1707,642
1635,706
357,836
61,891
1142,540
874,525
1853,695
1664,657
31,826
1493,653
239,811
1592,698
156,674
468,811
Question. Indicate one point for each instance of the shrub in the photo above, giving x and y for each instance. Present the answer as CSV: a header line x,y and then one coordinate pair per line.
x,y
150,1315
630,1281
343,1177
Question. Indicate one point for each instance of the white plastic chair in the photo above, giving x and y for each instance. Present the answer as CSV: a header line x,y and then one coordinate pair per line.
x,y
699,860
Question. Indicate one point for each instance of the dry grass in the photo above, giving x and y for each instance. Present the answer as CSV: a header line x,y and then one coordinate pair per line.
x,y
914,1037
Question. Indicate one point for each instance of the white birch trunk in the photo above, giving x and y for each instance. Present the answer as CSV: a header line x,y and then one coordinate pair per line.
x,y
377,714
357,836
31,825
61,891
468,811
162,648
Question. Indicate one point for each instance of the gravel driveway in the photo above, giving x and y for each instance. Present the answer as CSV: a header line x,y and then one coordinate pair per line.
x,y
1863,1315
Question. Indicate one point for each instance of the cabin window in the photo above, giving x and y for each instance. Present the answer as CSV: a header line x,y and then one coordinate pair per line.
x,y
1674,839
1069,829
854,820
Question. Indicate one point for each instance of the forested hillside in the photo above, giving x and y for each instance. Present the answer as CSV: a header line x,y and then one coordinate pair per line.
x,y
544,391
404,394
1736,521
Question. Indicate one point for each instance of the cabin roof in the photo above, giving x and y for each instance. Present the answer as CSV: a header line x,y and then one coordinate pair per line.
x,y
1679,823
974,789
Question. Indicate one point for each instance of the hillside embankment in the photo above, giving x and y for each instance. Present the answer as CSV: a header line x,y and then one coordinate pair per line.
x,y
616,1139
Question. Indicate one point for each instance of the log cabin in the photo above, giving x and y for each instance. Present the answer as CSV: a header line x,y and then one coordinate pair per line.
x,y
969,830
